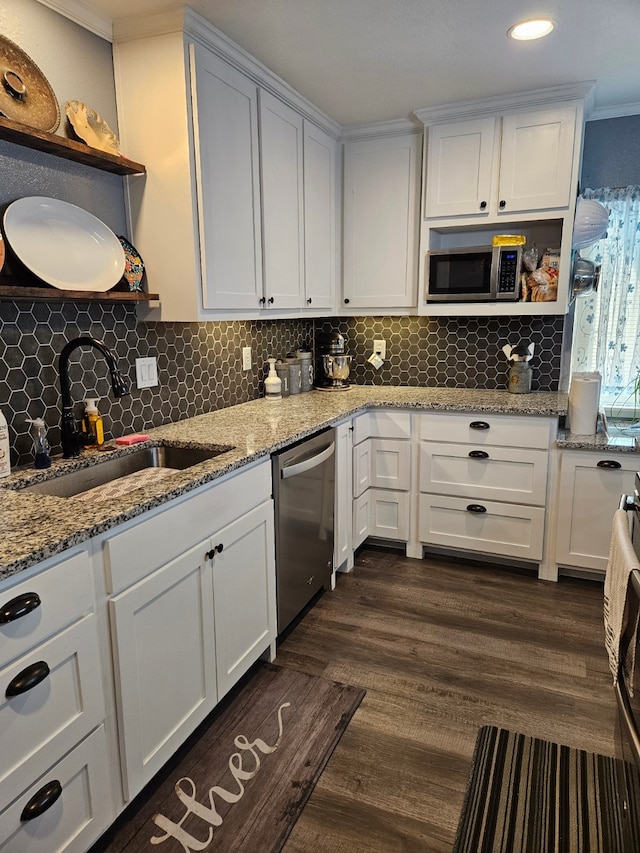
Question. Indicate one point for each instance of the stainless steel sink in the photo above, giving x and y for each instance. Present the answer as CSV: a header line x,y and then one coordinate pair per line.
x,y
108,470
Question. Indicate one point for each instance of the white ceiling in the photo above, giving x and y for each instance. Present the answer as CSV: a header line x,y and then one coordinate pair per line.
x,y
373,60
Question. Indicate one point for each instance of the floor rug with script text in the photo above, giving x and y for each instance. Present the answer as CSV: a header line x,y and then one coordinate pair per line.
x,y
241,782
527,795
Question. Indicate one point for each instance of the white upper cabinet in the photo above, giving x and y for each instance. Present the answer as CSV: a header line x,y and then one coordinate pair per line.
x,y
458,166
231,151
381,196
468,174
225,115
536,160
320,220
282,202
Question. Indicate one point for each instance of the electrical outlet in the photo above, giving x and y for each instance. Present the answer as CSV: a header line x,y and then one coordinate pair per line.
x,y
380,346
146,372
246,358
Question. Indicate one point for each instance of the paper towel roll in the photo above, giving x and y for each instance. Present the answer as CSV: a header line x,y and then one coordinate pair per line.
x,y
584,397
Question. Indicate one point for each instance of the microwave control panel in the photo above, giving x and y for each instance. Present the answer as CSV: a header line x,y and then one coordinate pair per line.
x,y
507,284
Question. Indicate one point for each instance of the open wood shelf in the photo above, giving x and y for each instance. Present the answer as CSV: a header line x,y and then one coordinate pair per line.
x,y
18,293
68,149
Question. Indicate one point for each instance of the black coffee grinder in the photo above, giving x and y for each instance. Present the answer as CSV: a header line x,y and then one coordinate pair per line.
x,y
334,363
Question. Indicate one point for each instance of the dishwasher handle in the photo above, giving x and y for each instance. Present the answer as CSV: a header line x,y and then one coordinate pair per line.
x,y
307,464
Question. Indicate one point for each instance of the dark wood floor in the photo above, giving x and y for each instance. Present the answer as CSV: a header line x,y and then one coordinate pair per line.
x,y
442,648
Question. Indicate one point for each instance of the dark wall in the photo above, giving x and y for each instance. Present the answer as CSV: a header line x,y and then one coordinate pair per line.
x,y
611,155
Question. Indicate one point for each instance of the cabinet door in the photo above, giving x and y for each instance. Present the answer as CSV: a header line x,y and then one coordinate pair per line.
x,y
225,113
244,595
459,168
282,202
389,514
343,549
361,468
380,222
536,160
320,152
361,518
589,495
390,463
163,644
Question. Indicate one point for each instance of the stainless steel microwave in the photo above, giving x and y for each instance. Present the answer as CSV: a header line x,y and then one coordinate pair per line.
x,y
474,274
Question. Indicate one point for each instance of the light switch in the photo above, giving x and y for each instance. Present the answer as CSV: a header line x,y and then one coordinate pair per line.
x,y
146,372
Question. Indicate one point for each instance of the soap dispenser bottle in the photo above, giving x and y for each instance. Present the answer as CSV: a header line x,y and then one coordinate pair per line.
x,y
92,424
272,384
5,460
41,448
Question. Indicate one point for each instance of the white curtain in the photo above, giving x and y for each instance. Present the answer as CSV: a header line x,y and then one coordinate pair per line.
x,y
607,324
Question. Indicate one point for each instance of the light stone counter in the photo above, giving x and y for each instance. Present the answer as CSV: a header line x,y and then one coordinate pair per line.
x,y
35,527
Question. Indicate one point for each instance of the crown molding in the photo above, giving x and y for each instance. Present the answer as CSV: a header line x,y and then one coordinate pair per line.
x,y
380,129
479,107
615,111
79,14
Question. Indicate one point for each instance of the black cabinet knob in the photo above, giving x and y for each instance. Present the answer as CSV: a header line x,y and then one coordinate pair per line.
x,y
18,607
502,204
478,454
479,425
476,508
483,205
271,300
217,549
610,464
27,679
346,301
41,800
262,300
309,301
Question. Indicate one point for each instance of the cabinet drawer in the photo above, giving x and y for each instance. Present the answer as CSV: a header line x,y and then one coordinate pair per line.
x,y
503,529
504,474
77,818
382,424
139,550
46,721
481,429
64,592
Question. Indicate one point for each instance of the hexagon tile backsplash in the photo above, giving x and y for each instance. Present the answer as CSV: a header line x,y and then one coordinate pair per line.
x,y
200,364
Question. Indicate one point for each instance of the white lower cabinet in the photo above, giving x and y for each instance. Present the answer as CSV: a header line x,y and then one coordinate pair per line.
x,y
483,483
243,593
343,526
381,476
164,651
189,624
591,485
52,740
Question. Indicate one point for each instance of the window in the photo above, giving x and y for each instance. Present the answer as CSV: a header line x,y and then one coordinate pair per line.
x,y
606,334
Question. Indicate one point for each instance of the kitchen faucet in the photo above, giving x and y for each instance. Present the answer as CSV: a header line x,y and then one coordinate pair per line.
x,y
72,439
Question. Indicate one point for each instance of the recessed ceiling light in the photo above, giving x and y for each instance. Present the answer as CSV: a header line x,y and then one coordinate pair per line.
x,y
535,29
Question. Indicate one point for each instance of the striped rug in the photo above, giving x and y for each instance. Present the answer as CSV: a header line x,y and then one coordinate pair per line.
x,y
527,795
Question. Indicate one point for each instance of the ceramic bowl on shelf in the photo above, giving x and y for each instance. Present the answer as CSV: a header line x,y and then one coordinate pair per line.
x,y
91,127
64,245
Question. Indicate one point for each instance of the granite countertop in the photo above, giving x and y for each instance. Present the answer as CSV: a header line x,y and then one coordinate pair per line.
x,y
36,526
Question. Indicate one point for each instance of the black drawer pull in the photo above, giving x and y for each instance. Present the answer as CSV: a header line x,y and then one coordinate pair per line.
x,y
19,606
478,454
42,800
608,463
27,679
479,425
476,508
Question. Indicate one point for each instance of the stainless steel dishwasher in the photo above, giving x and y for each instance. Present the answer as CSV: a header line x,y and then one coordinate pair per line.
x,y
303,486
